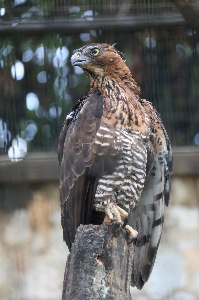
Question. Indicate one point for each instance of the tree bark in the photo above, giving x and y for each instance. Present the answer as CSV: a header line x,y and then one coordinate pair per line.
x,y
190,11
99,265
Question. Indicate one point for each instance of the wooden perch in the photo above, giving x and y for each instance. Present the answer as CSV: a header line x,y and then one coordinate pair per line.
x,y
99,265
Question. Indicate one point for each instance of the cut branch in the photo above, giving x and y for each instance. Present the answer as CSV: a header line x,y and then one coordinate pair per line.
x,y
99,265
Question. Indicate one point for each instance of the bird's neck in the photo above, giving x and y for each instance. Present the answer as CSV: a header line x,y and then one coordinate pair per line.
x,y
121,99
109,85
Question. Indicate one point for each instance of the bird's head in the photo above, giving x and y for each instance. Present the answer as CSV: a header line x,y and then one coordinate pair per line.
x,y
102,60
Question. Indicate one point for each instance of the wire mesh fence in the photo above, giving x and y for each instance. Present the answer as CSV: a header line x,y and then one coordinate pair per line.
x,y
26,11
38,85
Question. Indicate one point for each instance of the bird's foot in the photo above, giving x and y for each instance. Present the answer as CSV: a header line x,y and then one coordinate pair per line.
x,y
114,214
119,217
132,234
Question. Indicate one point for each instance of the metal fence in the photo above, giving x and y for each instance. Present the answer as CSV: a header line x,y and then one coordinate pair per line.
x,y
38,85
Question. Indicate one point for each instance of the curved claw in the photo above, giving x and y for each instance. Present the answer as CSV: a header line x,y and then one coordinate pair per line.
x,y
125,221
113,211
118,216
117,228
120,226
133,240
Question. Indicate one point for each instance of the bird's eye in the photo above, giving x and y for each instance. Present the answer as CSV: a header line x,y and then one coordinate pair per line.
x,y
95,52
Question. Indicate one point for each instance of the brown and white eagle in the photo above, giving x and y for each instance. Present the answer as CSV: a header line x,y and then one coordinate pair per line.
x,y
115,158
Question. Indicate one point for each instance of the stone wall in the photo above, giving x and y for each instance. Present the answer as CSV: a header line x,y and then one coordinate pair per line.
x,y
176,272
33,255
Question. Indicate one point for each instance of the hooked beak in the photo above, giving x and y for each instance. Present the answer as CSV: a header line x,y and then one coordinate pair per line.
x,y
78,59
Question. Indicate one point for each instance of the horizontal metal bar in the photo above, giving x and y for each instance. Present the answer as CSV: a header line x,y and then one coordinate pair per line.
x,y
75,25
37,167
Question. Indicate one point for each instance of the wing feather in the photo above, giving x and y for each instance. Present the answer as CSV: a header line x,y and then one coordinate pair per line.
x,y
148,216
149,221
77,184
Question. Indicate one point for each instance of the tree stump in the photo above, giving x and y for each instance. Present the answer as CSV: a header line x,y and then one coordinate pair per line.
x,y
99,265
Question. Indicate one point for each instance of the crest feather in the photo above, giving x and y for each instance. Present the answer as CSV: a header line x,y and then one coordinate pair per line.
x,y
119,52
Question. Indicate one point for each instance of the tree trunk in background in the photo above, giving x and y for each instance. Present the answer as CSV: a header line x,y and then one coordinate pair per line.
x,y
190,11
99,265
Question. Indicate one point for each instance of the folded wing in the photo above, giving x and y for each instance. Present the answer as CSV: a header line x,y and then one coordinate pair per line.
x,y
148,216
77,183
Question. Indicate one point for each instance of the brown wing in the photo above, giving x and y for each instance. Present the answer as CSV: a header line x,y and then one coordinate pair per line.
x,y
148,216
77,183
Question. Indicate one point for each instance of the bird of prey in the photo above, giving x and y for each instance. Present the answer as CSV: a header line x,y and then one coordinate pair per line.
x,y
115,158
